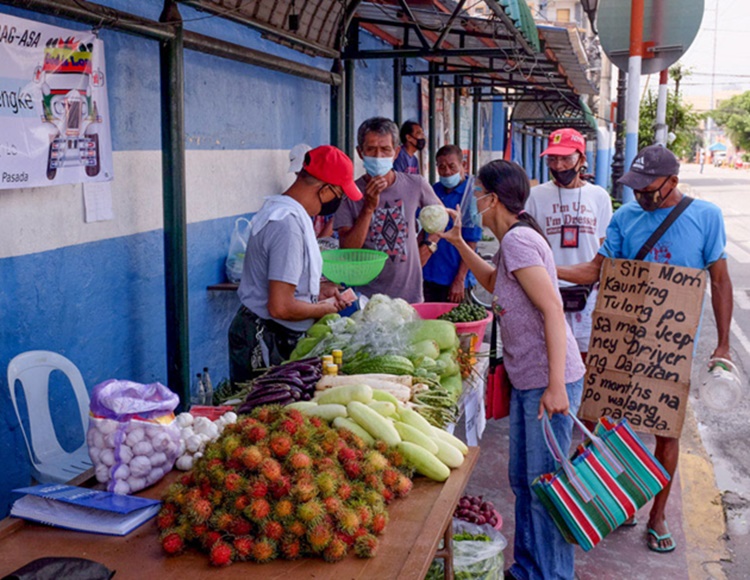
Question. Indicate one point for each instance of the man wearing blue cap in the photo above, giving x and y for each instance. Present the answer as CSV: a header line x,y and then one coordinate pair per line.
x,y
696,239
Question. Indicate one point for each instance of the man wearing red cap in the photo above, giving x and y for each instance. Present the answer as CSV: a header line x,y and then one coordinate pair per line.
x,y
280,284
574,215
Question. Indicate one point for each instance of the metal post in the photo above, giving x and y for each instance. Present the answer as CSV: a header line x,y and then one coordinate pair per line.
x,y
475,131
457,112
336,112
634,86
431,126
660,135
175,217
398,96
618,160
349,143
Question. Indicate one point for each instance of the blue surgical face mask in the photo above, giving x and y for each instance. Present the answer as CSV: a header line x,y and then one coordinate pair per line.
x,y
377,166
476,215
451,181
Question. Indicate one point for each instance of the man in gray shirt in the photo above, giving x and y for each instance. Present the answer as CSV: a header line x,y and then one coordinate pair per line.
x,y
280,283
385,218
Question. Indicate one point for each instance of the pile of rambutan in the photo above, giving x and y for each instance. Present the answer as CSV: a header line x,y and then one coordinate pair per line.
x,y
280,484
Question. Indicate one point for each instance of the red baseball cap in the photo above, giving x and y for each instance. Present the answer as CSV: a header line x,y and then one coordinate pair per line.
x,y
331,164
565,142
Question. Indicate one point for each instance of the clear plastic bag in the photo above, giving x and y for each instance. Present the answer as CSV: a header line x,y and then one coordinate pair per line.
x,y
132,437
237,247
475,560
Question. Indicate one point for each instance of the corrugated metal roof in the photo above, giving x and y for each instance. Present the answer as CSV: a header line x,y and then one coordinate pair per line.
x,y
520,14
566,48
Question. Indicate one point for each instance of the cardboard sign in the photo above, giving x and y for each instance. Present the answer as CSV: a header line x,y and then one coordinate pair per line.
x,y
641,349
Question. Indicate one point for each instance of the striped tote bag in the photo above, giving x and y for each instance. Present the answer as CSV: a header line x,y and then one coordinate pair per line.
x,y
606,480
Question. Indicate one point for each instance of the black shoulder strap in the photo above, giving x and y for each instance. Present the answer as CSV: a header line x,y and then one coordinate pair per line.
x,y
663,227
494,354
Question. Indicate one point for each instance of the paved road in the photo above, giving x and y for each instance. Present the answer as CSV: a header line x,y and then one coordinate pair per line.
x,y
726,435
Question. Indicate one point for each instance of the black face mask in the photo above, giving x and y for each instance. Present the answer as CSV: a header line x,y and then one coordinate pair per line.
x,y
421,143
328,207
565,177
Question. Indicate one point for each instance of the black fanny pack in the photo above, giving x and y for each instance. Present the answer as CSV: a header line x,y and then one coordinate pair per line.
x,y
574,298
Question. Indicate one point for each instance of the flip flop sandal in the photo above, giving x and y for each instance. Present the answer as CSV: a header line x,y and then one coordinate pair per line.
x,y
658,538
629,523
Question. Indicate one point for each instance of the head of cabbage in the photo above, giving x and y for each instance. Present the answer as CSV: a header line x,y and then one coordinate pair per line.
x,y
433,218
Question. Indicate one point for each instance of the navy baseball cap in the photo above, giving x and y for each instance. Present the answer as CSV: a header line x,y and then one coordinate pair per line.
x,y
651,163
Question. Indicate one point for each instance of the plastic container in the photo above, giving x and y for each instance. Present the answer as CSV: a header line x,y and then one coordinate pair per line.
x,y
209,412
353,267
722,388
431,310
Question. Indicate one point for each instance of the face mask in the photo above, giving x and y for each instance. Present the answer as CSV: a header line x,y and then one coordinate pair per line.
x,y
565,177
451,181
476,215
651,200
421,143
328,207
377,166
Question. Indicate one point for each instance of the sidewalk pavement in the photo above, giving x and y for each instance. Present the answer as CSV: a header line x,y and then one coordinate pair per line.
x,y
694,514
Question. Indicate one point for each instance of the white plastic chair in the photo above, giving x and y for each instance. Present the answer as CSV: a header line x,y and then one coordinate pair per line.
x,y
50,463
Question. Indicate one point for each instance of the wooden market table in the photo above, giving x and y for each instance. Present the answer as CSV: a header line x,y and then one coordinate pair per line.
x,y
408,546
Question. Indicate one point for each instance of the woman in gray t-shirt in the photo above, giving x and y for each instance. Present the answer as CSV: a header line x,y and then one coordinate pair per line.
x,y
539,352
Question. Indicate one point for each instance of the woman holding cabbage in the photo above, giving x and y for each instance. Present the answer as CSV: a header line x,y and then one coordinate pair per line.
x,y
539,352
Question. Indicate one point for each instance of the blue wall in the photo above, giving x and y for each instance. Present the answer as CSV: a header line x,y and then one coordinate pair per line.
x,y
101,304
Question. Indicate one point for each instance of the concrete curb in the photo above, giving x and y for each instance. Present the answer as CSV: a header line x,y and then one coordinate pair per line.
x,y
704,522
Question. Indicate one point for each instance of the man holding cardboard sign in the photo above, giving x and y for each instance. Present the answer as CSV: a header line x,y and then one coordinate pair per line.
x,y
648,310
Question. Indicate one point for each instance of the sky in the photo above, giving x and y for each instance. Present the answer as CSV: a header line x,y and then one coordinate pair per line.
x,y
732,49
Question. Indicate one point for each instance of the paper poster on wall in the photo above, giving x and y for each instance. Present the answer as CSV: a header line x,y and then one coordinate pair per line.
x,y
640,356
53,106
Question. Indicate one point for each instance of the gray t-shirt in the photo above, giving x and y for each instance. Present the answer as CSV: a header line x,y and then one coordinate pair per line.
x,y
521,324
393,230
276,253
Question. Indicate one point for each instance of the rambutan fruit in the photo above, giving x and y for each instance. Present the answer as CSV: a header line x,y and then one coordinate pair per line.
x,y
257,433
222,520
199,510
270,469
373,481
319,536
283,509
333,505
404,486
233,465
281,487
289,426
290,548
299,460
348,521
240,526
264,550
234,483
241,502
221,554
366,546
344,491
326,482
374,462
251,457
335,551
258,488
258,510
273,530
267,414
388,495
297,528
326,464
379,522
394,457
187,479
165,520
243,547
381,446
364,513
280,445
352,469
172,543
197,531
360,532
346,454
210,538
304,491
348,539
390,478
296,416
310,511
316,421
229,443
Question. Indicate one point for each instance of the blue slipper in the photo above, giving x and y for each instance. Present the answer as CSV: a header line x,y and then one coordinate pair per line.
x,y
630,523
658,538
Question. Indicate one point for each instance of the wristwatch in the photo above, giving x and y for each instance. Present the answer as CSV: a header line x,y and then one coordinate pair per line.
x,y
432,246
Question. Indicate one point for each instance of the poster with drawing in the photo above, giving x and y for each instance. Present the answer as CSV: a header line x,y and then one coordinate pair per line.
x,y
53,106
641,349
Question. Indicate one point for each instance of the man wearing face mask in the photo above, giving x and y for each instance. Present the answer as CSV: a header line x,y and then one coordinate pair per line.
x,y
574,215
446,276
696,239
385,218
412,140
281,287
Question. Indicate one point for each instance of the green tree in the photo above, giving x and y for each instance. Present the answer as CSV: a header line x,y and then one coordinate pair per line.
x,y
733,115
682,120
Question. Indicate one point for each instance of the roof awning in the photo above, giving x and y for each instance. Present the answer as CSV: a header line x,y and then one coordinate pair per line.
x,y
549,116
563,45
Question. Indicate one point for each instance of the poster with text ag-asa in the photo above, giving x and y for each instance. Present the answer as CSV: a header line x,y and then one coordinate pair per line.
x,y
53,106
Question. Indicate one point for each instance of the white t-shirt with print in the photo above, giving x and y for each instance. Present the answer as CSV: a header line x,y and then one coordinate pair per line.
x,y
589,207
